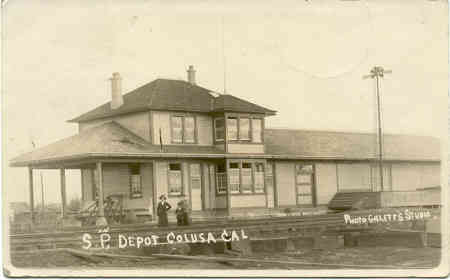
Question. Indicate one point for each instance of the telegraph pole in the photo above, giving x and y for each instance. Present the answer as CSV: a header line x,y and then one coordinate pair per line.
x,y
378,72
42,194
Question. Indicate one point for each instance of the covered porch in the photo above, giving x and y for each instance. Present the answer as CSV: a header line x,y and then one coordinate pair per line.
x,y
116,163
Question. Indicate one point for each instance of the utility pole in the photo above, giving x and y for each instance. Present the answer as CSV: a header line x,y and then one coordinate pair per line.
x,y
378,72
42,194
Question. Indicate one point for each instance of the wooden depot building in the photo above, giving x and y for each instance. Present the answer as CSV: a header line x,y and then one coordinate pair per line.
x,y
177,138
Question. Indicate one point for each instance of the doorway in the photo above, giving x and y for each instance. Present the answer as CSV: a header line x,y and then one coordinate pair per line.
x,y
195,182
305,184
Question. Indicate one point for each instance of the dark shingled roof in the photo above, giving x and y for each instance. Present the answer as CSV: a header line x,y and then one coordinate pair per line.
x,y
347,145
113,140
175,95
109,139
231,103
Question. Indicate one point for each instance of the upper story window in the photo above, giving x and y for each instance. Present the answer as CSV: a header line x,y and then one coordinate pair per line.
x,y
189,129
232,128
135,181
243,128
219,126
183,129
257,130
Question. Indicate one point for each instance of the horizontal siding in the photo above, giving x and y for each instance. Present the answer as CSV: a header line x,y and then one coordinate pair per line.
x,y
411,176
161,120
137,123
253,200
246,148
354,176
326,182
285,183
162,182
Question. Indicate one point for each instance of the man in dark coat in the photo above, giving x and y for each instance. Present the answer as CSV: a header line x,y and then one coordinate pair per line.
x,y
163,207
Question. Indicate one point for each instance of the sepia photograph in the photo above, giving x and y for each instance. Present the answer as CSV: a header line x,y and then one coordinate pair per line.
x,y
195,138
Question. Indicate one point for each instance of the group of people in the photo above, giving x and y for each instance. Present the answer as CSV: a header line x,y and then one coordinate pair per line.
x,y
182,212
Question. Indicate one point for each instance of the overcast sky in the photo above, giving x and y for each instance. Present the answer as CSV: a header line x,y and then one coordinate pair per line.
x,y
304,59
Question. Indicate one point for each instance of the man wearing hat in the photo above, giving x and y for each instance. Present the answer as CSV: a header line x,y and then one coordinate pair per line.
x,y
163,207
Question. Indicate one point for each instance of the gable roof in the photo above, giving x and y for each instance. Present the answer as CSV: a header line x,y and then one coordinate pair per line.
x,y
174,95
349,145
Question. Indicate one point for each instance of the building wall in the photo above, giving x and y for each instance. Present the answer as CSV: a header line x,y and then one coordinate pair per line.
x,y
331,177
285,181
246,148
138,123
116,180
251,200
411,176
162,181
326,182
161,120
354,176
220,202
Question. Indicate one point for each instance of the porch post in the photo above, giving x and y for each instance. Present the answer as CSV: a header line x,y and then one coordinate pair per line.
x,y
62,173
101,221
31,190
228,188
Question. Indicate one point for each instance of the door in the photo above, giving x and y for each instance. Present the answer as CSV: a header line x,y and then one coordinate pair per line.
x,y
304,184
195,182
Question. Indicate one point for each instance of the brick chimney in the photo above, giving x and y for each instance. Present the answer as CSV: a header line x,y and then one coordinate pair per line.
x,y
116,91
191,75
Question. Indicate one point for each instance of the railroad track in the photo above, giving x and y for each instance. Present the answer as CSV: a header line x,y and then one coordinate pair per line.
x,y
260,228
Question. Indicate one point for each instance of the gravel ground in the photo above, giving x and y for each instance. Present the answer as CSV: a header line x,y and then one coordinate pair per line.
x,y
378,256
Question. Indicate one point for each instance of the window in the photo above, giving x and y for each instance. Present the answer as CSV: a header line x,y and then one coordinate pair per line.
x,y
259,177
232,123
183,129
177,128
244,129
234,177
257,130
175,179
219,125
246,179
135,181
304,182
221,176
189,130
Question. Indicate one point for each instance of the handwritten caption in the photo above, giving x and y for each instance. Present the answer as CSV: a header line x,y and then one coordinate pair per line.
x,y
406,215
140,241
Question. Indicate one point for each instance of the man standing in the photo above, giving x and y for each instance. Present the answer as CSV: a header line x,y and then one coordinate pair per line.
x,y
163,207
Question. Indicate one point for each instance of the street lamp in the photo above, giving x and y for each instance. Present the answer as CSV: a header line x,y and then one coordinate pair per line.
x,y
378,72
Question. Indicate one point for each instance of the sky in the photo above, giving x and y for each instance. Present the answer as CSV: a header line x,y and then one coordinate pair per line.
x,y
304,59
